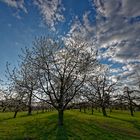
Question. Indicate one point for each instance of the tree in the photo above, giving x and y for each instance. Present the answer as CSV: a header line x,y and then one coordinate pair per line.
x,y
17,101
4,98
24,79
12,100
89,95
101,87
131,98
62,70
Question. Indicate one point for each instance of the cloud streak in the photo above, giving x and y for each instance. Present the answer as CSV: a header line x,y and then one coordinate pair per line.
x,y
118,26
114,26
51,11
16,4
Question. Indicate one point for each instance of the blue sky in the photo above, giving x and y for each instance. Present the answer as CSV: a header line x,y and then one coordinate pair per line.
x,y
111,25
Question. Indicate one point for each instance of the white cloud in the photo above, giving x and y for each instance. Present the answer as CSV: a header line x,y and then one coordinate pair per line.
x,y
51,11
130,74
114,26
118,33
18,4
130,8
107,7
125,8
87,24
83,31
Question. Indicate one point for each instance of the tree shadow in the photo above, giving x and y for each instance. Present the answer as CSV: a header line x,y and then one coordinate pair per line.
x,y
134,122
18,116
45,129
5,119
121,119
61,133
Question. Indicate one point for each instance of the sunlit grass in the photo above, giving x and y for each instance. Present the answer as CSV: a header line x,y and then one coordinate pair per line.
x,y
77,126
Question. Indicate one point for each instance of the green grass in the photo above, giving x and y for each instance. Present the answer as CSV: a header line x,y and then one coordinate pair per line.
x,y
77,126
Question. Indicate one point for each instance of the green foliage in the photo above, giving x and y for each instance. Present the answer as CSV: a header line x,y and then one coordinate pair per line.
x,y
77,126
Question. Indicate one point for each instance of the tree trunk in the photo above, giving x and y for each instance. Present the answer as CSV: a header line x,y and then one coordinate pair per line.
x,y
92,108
15,114
84,108
110,110
30,105
60,117
3,110
80,108
131,111
104,112
43,110
29,110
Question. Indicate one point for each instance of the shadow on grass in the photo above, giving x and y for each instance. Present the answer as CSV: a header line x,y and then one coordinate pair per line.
x,y
45,128
6,119
134,122
19,116
61,133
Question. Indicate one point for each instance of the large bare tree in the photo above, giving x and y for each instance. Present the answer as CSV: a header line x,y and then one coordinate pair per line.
x,y
62,70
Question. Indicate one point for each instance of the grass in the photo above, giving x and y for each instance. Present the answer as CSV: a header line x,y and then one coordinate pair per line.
x,y
77,126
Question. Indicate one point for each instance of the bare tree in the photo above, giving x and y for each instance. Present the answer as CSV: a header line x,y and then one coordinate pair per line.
x,y
24,78
4,97
89,95
17,102
131,98
102,88
12,100
62,70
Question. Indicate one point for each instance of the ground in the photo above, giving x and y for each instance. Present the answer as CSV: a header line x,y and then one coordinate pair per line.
x,y
119,125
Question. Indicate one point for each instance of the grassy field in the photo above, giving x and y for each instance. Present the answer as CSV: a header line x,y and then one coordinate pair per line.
x,y
77,126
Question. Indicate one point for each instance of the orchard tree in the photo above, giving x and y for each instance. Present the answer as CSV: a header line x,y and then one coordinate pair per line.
x,y
25,78
89,94
4,100
131,98
13,101
102,88
17,100
62,67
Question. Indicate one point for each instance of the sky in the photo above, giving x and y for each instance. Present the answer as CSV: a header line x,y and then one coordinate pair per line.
x,y
112,26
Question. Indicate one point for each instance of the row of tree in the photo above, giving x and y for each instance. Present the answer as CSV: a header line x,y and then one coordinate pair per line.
x,y
56,73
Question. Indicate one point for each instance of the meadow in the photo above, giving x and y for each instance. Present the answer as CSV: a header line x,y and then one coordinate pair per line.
x,y
119,125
